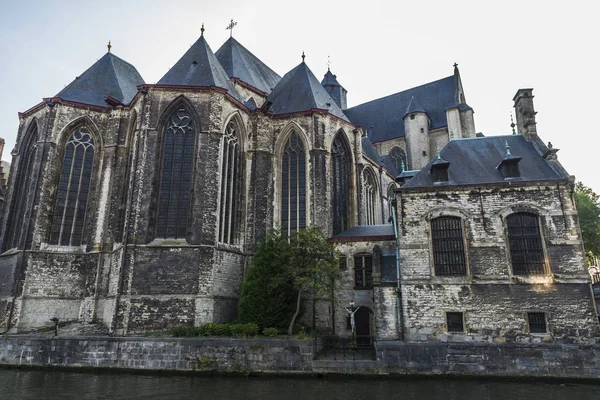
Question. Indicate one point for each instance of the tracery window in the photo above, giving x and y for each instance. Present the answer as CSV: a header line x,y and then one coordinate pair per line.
x,y
174,197
340,159
398,157
293,185
363,272
525,242
229,184
448,246
22,189
370,198
68,218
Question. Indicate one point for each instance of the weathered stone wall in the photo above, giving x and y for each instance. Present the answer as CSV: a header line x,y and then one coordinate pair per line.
x,y
493,300
277,356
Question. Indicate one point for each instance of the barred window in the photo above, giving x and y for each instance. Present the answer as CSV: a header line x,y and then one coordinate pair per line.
x,y
174,196
229,184
537,322
398,157
525,242
22,188
370,198
363,272
448,246
340,159
293,185
73,189
455,322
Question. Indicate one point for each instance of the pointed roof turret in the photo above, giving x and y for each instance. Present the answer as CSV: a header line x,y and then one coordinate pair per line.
x,y
459,94
299,90
414,107
199,67
238,62
330,79
109,76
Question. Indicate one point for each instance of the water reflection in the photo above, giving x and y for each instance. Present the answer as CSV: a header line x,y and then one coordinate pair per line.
x,y
17,385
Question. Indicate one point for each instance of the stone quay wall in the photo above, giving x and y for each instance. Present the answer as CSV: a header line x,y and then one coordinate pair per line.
x,y
294,356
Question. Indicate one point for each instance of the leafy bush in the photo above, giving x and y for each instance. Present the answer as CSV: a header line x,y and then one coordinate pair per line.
x,y
206,329
268,297
244,330
221,330
270,332
184,331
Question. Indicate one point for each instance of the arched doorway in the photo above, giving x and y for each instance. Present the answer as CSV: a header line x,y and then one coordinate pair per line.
x,y
362,321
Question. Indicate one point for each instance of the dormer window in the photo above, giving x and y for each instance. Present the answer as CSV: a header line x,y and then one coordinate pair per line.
x,y
509,166
439,170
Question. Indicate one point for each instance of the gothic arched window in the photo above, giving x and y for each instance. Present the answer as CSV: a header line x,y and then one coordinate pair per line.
x,y
174,197
525,242
22,188
293,185
340,173
398,158
229,184
370,198
448,246
73,189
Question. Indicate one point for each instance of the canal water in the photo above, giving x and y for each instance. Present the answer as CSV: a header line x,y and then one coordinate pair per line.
x,y
33,385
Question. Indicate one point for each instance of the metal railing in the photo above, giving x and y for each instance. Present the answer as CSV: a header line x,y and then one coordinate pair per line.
x,y
344,347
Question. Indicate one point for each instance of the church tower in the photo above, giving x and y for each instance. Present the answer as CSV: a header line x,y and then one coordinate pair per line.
x,y
335,90
416,128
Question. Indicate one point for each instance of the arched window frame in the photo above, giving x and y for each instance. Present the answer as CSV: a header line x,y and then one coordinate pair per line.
x,y
341,181
230,183
75,187
398,157
293,183
525,243
448,246
174,191
370,197
22,185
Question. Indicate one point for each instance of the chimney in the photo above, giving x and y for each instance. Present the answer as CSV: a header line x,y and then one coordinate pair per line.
x,y
525,113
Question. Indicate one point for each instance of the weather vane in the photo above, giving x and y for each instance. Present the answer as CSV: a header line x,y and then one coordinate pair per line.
x,y
230,27
328,63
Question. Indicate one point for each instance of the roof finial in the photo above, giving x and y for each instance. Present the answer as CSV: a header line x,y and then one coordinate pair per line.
x,y
512,124
455,67
507,149
202,30
438,154
230,27
402,165
303,56
328,64
109,46
451,135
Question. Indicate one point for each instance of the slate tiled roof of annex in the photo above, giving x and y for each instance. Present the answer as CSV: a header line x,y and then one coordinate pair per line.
x,y
384,117
474,161
363,233
109,76
371,152
299,90
240,63
199,67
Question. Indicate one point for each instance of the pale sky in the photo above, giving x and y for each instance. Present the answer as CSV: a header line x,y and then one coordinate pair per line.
x,y
376,48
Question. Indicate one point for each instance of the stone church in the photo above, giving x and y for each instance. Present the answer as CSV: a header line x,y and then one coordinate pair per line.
x,y
139,206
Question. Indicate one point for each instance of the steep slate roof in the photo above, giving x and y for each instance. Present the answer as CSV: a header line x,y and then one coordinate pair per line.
x,y
330,79
240,63
109,76
370,151
384,117
473,161
199,67
299,90
364,233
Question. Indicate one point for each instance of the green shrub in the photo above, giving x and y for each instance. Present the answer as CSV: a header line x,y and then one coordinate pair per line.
x,y
244,330
207,329
183,331
270,332
221,330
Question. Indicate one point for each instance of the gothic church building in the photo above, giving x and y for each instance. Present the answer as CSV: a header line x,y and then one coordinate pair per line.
x,y
139,205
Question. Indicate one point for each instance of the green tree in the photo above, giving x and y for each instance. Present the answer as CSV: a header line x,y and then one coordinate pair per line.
x,y
268,294
314,266
588,208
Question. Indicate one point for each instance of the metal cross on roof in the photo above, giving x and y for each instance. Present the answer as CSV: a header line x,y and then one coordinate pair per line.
x,y
230,27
